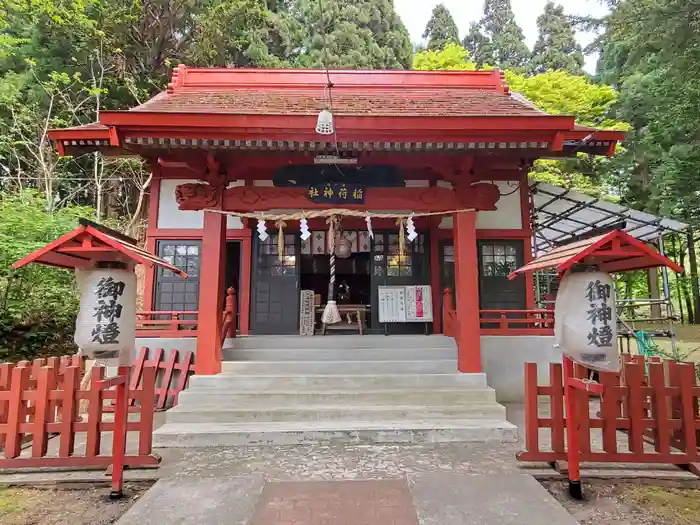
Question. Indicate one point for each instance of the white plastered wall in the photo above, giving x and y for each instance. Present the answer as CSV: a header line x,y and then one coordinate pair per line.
x,y
171,217
507,216
503,360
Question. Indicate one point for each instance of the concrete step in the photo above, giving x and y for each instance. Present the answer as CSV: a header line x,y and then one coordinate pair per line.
x,y
347,342
305,432
258,383
281,368
206,399
399,353
228,414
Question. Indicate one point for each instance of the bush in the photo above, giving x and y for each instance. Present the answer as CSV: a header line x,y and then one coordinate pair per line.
x,y
38,304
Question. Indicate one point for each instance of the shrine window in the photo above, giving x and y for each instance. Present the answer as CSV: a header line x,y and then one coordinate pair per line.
x,y
173,293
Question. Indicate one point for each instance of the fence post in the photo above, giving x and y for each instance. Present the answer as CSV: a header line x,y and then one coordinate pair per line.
x,y
688,410
69,410
572,432
556,400
119,435
531,409
147,408
17,413
41,413
93,441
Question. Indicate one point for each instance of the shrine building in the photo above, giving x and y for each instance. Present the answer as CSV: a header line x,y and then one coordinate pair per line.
x,y
449,150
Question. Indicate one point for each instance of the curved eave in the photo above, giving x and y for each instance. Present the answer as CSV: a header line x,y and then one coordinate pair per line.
x,y
364,122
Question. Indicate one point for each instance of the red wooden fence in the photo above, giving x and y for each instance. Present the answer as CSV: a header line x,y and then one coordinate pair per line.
x,y
172,374
499,322
42,401
653,403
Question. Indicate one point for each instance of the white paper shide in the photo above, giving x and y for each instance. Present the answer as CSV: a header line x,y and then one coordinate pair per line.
x,y
585,325
106,324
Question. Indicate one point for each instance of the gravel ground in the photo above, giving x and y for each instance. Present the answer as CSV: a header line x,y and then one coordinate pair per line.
x,y
23,506
631,504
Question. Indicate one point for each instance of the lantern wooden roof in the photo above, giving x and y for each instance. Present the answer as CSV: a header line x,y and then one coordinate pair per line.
x,y
615,251
89,243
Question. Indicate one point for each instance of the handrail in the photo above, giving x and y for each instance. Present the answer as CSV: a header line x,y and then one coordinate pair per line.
x,y
184,323
536,321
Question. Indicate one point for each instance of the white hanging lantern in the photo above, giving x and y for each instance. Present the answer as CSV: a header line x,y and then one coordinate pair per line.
x,y
585,320
324,124
106,324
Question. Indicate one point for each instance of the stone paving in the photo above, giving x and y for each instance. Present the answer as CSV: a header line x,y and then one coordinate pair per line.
x,y
347,484
379,502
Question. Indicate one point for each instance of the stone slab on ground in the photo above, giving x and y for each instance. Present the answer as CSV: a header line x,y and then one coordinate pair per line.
x,y
497,499
195,500
371,502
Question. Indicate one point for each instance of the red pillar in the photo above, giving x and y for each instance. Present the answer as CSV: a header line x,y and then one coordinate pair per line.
x,y
435,263
244,292
467,292
211,294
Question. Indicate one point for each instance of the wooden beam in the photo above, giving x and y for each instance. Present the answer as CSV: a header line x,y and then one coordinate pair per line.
x,y
482,196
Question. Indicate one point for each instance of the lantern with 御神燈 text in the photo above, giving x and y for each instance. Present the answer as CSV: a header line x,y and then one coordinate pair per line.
x,y
585,325
106,323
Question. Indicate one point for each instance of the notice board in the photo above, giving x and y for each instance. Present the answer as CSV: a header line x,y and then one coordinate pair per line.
x,y
405,304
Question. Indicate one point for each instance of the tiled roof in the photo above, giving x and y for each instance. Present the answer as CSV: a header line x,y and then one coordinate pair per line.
x,y
297,92
95,126
351,101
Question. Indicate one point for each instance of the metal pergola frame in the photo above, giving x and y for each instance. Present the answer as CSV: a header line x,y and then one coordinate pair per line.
x,y
562,215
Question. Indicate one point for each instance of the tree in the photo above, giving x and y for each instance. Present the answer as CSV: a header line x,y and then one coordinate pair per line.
x,y
556,47
37,303
353,34
441,29
498,40
452,57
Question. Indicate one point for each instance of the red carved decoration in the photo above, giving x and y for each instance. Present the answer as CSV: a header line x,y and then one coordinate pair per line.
x,y
482,196
196,196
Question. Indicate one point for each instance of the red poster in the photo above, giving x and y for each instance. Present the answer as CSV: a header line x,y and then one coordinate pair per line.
x,y
419,302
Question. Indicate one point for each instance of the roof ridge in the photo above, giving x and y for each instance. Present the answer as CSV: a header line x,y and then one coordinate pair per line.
x,y
185,77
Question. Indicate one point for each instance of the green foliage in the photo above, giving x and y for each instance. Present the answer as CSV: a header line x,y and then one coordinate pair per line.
x,y
441,29
556,47
452,57
561,93
651,51
498,40
38,304
353,34
237,33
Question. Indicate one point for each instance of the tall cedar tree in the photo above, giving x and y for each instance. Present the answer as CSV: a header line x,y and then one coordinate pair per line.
x,y
356,34
556,47
651,52
441,29
474,43
498,40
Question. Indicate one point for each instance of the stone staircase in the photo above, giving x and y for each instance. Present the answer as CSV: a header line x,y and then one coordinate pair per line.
x,y
371,389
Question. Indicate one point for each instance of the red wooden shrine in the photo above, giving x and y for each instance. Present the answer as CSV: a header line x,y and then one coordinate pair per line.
x,y
216,138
